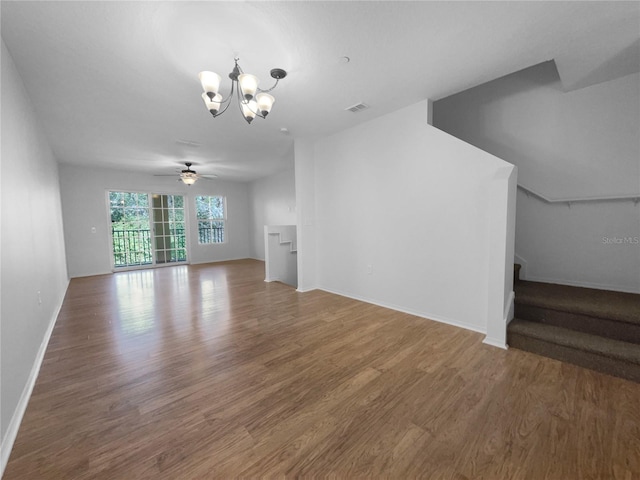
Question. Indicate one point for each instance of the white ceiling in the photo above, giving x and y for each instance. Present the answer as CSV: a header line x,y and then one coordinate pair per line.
x,y
115,83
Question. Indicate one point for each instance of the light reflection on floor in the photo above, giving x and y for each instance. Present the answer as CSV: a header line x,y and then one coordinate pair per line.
x,y
214,297
136,301
155,301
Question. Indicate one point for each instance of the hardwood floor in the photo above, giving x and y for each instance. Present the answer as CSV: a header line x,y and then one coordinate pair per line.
x,y
206,371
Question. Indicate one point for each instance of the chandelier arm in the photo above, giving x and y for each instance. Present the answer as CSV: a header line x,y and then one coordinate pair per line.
x,y
227,101
240,102
251,110
269,89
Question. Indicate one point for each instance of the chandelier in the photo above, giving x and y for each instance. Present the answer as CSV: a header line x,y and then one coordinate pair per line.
x,y
253,101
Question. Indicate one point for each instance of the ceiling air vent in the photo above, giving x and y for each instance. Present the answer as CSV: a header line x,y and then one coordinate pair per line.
x,y
357,107
188,143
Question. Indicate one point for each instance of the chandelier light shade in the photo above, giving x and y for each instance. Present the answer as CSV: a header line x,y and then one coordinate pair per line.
x,y
248,85
265,102
212,105
253,101
210,82
248,110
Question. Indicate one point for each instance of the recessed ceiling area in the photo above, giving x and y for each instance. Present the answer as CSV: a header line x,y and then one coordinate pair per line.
x,y
115,84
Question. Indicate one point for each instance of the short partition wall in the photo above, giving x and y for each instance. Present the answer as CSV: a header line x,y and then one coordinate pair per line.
x,y
280,253
450,205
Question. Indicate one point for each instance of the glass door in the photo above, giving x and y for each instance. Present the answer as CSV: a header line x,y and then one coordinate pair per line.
x,y
130,231
147,232
169,233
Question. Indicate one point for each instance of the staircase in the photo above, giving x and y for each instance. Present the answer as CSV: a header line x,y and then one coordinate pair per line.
x,y
596,329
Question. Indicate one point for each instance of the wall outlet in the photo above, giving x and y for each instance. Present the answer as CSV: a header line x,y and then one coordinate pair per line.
x,y
39,298
93,230
369,269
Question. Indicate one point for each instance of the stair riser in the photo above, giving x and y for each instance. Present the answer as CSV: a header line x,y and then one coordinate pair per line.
x,y
603,327
610,366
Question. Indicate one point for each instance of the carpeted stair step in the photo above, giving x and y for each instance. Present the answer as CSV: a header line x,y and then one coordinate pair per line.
x,y
621,359
614,315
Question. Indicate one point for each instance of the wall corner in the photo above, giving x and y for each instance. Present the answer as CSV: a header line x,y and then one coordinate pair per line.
x,y
430,111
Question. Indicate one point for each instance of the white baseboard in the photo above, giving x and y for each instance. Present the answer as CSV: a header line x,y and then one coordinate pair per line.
x,y
426,315
507,316
495,343
221,260
597,286
92,274
14,425
305,290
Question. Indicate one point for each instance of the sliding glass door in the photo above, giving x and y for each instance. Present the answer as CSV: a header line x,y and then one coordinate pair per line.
x,y
147,229
170,243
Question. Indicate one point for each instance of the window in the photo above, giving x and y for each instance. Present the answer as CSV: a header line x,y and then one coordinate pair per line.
x,y
211,214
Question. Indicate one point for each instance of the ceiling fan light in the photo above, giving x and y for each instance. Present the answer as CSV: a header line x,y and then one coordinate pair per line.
x,y
210,82
248,85
249,110
188,178
265,102
213,105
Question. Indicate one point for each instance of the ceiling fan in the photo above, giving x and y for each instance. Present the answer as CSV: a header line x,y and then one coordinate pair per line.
x,y
188,176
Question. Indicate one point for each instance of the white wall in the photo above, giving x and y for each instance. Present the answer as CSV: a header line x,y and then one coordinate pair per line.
x,y
582,143
501,221
34,275
306,214
84,206
401,211
272,202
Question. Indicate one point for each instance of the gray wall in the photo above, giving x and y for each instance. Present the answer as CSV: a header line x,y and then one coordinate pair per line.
x,y
580,144
565,144
33,254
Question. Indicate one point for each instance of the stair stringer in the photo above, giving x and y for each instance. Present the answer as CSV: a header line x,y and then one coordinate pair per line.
x,y
281,254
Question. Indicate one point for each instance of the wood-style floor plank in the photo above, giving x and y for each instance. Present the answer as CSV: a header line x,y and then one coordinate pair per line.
x,y
206,371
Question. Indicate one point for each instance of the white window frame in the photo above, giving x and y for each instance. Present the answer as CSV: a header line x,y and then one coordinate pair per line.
x,y
223,220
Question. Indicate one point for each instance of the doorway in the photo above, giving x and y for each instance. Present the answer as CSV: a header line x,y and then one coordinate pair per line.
x,y
147,229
